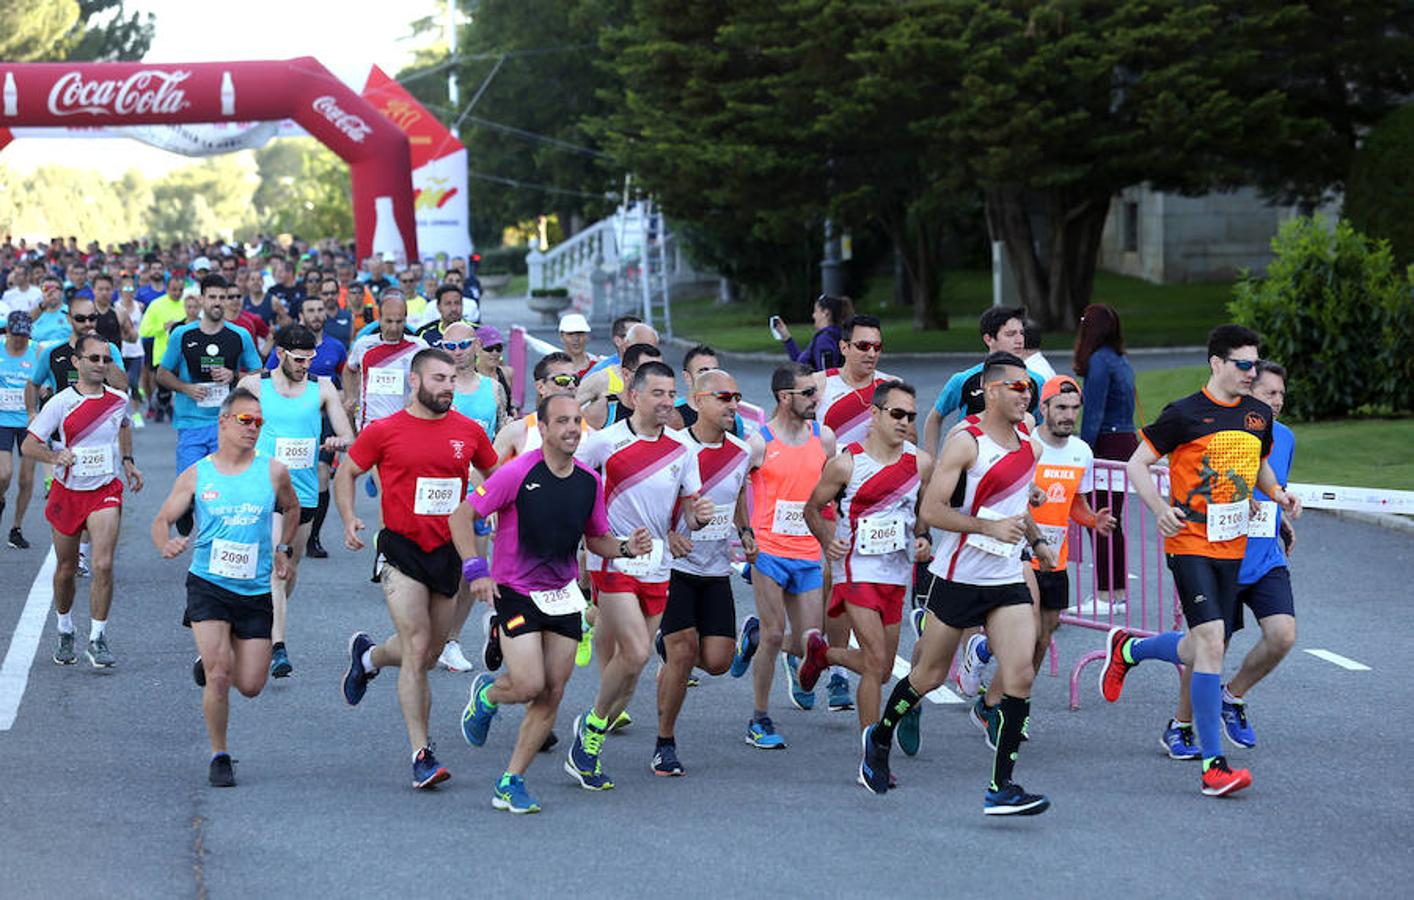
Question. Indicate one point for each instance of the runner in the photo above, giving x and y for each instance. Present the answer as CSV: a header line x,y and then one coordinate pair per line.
x,y
699,623
648,468
1065,475
59,372
574,334
787,456
294,404
873,544
235,492
545,502
424,454
618,334
95,442
554,374
696,361
1217,442
612,408
979,578
378,365
449,311
1263,584
1003,331
17,407
607,380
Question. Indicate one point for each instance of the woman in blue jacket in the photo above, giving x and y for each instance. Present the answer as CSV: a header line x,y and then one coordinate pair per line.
x,y
823,352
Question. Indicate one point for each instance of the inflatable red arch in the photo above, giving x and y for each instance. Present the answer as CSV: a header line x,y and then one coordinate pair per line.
x,y
380,164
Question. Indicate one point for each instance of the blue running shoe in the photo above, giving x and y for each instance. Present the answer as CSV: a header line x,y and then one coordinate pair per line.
x,y
1180,741
477,716
746,644
280,664
511,795
838,689
908,733
665,761
583,760
370,488
1012,800
1235,725
799,697
426,771
356,678
873,763
761,734
985,717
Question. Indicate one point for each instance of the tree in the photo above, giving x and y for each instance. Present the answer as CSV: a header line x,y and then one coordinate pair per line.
x,y
212,197
304,189
34,29
58,200
1380,199
73,29
106,32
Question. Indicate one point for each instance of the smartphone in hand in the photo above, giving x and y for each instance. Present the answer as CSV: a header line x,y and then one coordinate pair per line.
x,y
775,323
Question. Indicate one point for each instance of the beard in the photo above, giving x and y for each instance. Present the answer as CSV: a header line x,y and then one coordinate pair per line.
x,y
438,404
293,376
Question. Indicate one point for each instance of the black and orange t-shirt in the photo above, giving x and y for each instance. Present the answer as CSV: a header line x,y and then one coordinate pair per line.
x,y
1215,451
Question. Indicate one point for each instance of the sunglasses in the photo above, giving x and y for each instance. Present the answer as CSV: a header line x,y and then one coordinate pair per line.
x,y
724,396
92,357
866,346
563,380
300,357
898,414
1020,385
248,419
1244,365
492,348
805,392
458,345
94,318
328,293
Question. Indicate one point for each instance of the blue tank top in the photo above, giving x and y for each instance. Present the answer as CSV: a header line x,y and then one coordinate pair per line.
x,y
479,405
15,373
291,435
232,547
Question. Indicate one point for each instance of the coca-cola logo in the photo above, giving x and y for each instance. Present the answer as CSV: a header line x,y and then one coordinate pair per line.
x,y
351,125
143,93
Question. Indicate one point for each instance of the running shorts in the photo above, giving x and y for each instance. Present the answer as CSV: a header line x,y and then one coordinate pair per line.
x,y
440,569
1054,588
68,510
517,614
251,617
795,576
962,605
703,602
1207,588
885,599
1270,595
652,595
11,437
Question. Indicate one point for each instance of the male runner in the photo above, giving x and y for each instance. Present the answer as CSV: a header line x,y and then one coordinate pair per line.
x,y
17,406
294,406
378,364
1064,474
449,311
607,380
545,501
59,372
94,443
611,408
618,334
574,334
648,468
873,544
1263,584
235,492
696,361
787,456
424,454
1217,442
1003,331
699,622
553,374
979,578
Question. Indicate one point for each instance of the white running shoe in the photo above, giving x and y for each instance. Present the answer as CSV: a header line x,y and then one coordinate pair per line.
x,y
452,659
969,672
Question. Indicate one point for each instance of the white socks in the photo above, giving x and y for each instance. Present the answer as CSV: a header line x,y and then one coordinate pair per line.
x,y
368,665
66,622
95,629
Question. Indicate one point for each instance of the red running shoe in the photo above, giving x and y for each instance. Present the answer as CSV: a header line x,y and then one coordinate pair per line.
x,y
1219,780
1112,675
815,661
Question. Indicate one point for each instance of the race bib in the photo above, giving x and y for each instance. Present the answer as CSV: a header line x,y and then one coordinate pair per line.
x,y
1227,521
213,394
645,565
295,453
92,461
385,381
232,560
988,544
561,601
1263,522
12,399
720,526
790,518
877,535
437,496
1054,535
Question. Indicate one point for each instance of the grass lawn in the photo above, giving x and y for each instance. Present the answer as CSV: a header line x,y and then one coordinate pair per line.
x,y
1353,452
1153,315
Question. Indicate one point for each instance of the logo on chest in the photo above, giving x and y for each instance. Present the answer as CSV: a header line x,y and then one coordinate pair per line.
x,y
457,447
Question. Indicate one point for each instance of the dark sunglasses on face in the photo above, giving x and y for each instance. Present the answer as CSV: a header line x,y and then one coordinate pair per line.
x,y
92,357
1244,365
458,345
898,414
724,396
328,293
93,317
563,380
866,346
492,348
804,392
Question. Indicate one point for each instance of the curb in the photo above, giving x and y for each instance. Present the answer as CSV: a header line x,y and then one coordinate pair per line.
x,y
1388,521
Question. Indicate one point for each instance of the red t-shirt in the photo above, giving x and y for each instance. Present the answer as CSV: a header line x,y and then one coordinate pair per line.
x,y
423,464
257,327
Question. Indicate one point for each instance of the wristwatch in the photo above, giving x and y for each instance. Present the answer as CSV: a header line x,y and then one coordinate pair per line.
x,y
285,549
623,549
1040,539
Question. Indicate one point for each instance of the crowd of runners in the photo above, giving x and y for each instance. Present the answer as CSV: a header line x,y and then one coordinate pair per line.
x,y
609,521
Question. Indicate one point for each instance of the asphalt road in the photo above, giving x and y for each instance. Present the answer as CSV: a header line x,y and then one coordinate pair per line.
x,y
104,773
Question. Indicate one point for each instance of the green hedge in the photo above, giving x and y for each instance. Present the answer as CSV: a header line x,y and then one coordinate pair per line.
x,y
1336,310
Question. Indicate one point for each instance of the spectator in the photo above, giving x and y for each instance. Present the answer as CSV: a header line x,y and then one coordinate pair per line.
x,y
1031,352
574,334
823,352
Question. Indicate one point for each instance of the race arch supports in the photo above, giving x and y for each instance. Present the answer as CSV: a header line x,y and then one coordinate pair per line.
x,y
116,94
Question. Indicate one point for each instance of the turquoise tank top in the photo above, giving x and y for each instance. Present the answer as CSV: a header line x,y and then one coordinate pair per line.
x,y
479,405
232,547
291,435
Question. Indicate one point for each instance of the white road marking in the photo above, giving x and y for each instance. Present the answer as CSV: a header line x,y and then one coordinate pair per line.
x,y
939,694
1342,661
14,673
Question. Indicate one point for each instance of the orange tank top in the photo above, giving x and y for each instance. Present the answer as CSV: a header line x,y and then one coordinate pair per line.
x,y
779,490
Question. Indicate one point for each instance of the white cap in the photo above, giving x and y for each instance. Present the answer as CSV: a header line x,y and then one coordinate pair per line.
x,y
574,323
201,262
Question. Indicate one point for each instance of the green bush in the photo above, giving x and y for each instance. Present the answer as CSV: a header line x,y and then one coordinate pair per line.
x,y
1379,198
1339,314
503,261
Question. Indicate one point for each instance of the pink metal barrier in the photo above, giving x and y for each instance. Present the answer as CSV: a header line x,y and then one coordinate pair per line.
x,y
1148,603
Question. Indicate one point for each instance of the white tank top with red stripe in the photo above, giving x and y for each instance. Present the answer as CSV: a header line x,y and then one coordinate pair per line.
x,y
998,486
846,409
877,514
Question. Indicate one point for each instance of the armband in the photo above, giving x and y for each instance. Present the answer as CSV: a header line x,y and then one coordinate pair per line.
x,y
475,568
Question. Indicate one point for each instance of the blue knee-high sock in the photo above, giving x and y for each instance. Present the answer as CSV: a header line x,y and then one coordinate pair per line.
x,y
1207,694
1160,646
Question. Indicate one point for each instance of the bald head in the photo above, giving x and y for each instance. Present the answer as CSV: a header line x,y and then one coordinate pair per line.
x,y
641,334
458,331
714,380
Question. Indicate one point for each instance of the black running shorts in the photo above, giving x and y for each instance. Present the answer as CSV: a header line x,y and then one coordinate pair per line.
x,y
703,602
439,569
1054,588
251,617
967,605
517,614
1207,588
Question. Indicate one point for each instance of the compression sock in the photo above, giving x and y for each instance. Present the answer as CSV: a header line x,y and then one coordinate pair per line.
x,y
665,742
66,622
1013,712
1160,646
320,511
278,645
1207,694
903,698
95,628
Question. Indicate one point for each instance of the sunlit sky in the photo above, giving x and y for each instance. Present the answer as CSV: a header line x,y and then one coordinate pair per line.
x,y
346,37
